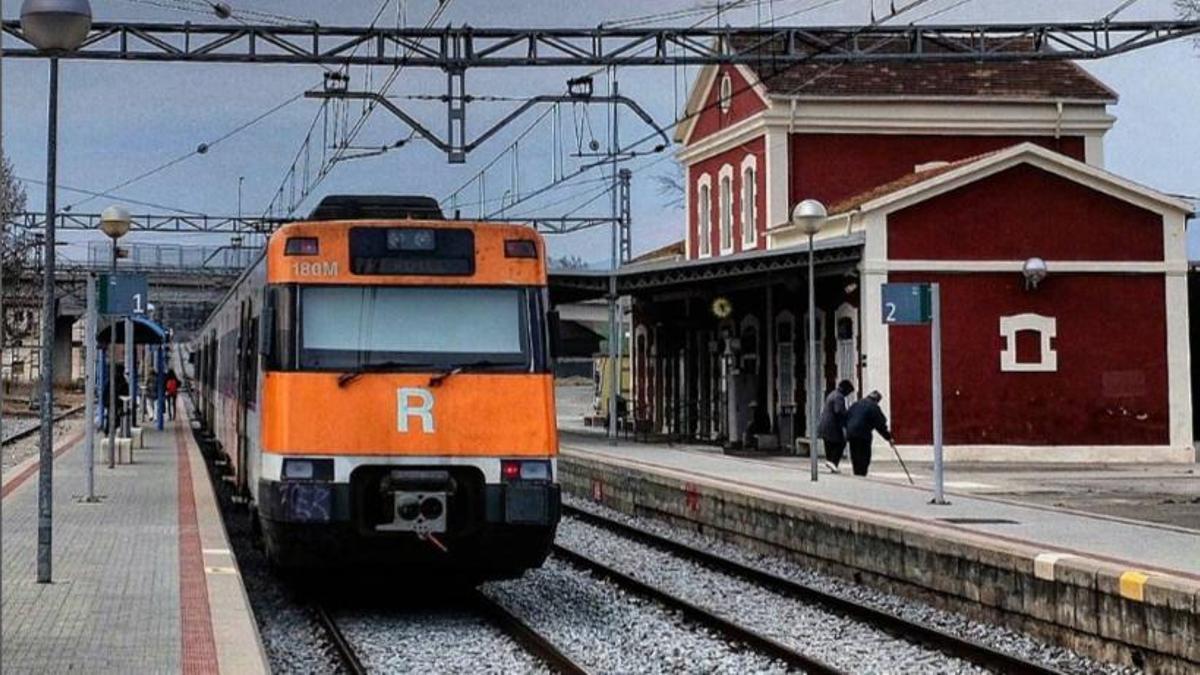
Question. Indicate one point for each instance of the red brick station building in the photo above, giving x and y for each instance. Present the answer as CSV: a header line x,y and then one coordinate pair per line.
x,y
956,173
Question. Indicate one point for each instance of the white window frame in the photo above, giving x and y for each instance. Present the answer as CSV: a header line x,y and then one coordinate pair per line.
x,y
1047,329
725,93
725,212
704,216
749,214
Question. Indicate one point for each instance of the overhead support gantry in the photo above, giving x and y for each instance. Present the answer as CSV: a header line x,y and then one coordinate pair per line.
x,y
455,49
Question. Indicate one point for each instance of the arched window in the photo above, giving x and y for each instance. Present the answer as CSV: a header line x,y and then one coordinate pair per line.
x,y
726,213
704,216
726,93
749,222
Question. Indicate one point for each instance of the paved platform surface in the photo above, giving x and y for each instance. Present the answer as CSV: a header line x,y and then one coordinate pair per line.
x,y
141,580
1139,545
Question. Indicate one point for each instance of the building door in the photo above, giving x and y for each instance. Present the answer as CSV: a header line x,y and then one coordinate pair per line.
x,y
846,331
785,376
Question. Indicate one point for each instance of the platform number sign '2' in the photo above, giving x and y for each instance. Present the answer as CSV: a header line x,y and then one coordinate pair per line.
x,y
907,304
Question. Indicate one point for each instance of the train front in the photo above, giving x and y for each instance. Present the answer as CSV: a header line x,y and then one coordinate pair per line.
x,y
408,401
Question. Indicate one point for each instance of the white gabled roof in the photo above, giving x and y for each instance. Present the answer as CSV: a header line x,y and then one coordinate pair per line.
x,y
913,188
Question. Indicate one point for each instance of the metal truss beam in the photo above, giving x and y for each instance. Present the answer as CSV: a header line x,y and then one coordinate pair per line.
x,y
454,49
151,223
181,223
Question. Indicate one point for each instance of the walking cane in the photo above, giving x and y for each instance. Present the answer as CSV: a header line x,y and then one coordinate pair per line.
x,y
906,473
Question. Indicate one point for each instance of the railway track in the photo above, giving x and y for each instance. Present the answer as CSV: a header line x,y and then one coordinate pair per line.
x,y
932,638
34,429
733,632
345,651
533,642
496,614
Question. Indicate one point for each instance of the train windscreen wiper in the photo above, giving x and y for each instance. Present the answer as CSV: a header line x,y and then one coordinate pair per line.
x,y
442,376
351,375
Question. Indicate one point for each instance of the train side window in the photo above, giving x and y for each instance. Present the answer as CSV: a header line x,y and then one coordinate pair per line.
x,y
252,368
277,328
266,332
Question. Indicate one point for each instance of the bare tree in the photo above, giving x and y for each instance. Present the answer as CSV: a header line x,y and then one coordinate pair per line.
x,y
15,248
671,188
568,262
1188,9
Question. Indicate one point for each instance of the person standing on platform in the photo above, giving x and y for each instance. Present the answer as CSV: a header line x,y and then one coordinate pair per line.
x,y
831,426
172,390
863,420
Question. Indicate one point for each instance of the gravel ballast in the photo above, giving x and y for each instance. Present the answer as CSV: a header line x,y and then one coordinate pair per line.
x,y
997,637
607,630
842,643
433,641
18,451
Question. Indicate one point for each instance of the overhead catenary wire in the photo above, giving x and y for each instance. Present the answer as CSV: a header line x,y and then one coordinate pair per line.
x,y
109,194
350,133
559,176
849,35
201,149
941,11
1121,8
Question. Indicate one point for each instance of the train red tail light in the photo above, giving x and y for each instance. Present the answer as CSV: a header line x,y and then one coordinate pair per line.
x,y
302,246
512,469
520,248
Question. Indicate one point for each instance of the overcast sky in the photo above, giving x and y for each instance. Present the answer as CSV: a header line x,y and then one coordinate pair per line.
x,y
119,120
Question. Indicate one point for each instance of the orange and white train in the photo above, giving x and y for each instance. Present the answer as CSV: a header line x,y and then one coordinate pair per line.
x,y
381,384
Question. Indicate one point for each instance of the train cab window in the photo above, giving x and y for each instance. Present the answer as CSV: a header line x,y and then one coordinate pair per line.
x,y
418,327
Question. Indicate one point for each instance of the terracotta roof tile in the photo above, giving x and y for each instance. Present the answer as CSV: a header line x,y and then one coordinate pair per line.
x,y
967,79
905,181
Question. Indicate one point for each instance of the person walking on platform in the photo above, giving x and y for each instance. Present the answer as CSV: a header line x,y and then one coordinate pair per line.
x,y
831,426
862,421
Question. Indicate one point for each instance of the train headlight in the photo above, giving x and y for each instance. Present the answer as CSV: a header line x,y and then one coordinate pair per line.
x,y
308,469
298,469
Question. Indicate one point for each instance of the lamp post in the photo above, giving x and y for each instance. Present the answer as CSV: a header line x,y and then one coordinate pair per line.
x,y
114,222
54,27
809,215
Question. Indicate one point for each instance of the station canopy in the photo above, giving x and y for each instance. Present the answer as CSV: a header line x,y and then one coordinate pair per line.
x,y
145,332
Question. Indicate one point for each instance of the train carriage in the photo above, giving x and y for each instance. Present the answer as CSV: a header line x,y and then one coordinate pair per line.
x,y
381,384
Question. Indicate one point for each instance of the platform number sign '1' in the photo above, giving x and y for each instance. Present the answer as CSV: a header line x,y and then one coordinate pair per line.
x,y
123,294
907,304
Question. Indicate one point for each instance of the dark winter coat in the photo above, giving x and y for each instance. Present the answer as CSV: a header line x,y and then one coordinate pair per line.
x,y
831,425
865,417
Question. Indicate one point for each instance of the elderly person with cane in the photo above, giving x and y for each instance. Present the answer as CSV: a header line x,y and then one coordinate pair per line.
x,y
862,421
831,426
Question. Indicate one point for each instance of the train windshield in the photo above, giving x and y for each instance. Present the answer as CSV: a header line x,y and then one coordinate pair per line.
x,y
385,327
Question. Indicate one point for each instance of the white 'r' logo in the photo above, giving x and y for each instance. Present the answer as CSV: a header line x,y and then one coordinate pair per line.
x,y
414,402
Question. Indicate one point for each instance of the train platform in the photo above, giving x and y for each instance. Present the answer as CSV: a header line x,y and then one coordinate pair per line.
x,y
1119,589
143,579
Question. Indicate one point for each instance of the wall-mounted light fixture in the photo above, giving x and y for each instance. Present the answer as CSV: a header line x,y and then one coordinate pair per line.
x,y
1034,270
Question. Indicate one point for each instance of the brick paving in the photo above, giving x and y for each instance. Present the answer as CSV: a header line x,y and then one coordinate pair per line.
x,y
114,605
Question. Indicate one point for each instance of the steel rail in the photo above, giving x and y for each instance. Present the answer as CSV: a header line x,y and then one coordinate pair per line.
x,y
341,645
34,429
535,643
897,626
732,631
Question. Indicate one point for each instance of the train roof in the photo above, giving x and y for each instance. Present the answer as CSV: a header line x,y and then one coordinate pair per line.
x,y
376,207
